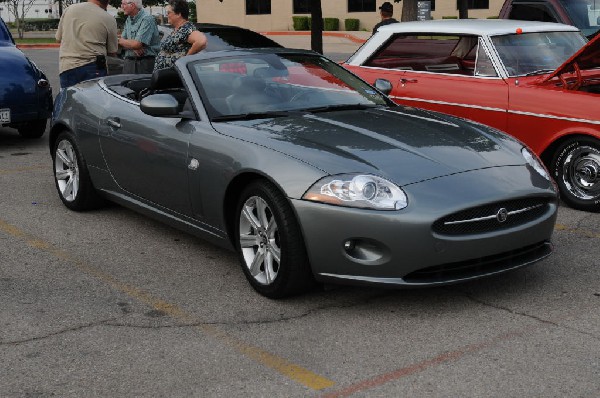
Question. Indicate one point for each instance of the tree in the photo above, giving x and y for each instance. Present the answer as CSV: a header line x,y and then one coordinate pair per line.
x,y
316,26
18,9
145,3
409,10
463,9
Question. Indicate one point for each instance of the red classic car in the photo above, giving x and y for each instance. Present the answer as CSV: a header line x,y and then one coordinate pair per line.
x,y
537,81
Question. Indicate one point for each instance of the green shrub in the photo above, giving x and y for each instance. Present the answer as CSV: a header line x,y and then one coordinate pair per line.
x,y
450,17
331,24
493,17
351,24
301,22
38,24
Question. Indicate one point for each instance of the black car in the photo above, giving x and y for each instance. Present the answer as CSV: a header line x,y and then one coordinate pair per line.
x,y
220,37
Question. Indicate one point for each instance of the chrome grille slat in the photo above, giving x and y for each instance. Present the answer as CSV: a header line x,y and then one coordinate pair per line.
x,y
485,218
491,217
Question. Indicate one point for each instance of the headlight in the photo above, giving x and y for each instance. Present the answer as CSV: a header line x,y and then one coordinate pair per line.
x,y
535,162
352,190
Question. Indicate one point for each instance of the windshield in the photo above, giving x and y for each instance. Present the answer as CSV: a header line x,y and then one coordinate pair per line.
x,y
585,14
267,83
536,53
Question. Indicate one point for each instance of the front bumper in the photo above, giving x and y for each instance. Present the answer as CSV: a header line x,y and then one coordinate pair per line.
x,y
401,247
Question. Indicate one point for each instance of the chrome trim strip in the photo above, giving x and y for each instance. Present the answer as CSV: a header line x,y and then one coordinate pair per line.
x,y
422,71
109,91
544,116
485,108
510,213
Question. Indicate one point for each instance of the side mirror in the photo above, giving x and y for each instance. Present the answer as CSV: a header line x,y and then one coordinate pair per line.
x,y
384,86
162,105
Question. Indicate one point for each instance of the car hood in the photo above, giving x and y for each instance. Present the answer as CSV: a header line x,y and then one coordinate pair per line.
x,y
403,144
588,57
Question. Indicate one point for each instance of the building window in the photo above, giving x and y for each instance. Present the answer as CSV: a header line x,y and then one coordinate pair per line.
x,y
431,1
476,4
301,7
255,7
361,6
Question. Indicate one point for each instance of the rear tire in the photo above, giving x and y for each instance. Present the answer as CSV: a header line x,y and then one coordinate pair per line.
x,y
270,244
71,175
34,129
576,169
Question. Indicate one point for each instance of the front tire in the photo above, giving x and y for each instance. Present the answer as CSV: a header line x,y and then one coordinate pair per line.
x,y
576,169
270,244
34,129
71,175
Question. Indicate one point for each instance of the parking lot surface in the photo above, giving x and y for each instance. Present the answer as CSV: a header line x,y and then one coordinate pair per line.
x,y
110,303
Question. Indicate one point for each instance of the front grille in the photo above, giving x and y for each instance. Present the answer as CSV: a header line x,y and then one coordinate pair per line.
x,y
487,218
462,270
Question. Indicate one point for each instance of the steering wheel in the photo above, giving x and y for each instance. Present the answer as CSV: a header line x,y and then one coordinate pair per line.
x,y
577,83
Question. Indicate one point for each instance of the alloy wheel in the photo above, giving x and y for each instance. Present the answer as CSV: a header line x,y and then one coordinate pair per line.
x,y
66,170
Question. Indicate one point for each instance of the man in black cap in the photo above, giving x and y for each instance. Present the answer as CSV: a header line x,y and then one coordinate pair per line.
x,y
386,10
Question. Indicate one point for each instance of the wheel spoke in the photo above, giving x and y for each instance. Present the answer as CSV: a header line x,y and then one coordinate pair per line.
x,y
62,174
75,180
68,190
248,240
269,271
63,157
271,228
276,253
247,212
257,262
261,209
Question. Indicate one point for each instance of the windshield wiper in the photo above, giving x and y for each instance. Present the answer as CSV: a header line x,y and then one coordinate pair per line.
x,y
340,107
539,72
251,116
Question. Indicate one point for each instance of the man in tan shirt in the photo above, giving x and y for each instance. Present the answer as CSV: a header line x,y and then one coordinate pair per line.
x,y
87,33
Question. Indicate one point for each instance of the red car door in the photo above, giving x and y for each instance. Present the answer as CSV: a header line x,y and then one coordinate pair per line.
x,y
482,99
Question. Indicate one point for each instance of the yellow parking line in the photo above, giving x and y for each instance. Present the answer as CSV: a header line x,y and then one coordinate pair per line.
x,y
281,365
579,231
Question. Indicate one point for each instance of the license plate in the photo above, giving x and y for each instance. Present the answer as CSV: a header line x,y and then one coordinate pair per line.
x,y
5,115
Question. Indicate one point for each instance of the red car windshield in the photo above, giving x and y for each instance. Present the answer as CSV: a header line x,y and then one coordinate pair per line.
x,y
536,53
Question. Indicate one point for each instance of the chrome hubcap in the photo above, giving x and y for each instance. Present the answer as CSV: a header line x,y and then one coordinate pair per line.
x,y
66,170
259,240
581,173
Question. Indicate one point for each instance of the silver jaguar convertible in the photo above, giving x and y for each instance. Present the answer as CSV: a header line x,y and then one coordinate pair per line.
x,y
308,172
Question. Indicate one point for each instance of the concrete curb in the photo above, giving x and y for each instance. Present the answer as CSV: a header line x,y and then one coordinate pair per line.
x,y
38,46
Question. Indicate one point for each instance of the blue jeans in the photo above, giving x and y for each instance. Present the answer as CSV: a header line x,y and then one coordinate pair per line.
x,y
73,76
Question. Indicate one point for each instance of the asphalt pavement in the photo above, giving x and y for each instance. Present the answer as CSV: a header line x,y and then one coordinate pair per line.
x,y
109,303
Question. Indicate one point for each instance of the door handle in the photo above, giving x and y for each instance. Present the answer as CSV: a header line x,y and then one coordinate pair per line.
x,y
114,122
403,81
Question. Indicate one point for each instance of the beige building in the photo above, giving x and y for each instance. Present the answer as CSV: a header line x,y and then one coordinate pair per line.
x,y
276,15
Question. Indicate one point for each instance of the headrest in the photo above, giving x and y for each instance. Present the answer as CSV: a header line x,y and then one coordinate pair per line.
x,y
266,72
163,79
248,85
